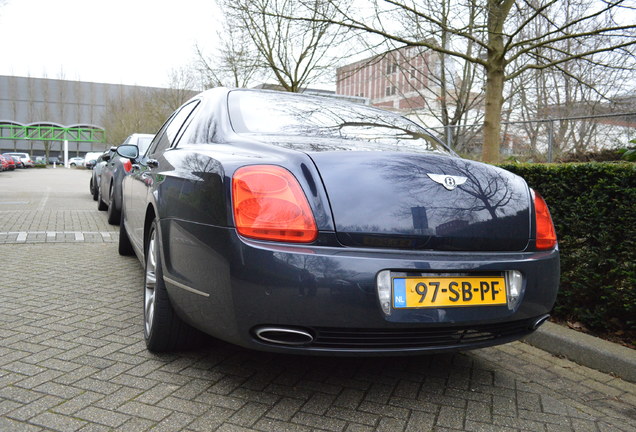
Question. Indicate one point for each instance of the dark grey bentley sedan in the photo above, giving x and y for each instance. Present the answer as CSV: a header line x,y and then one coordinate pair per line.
x,y
302,224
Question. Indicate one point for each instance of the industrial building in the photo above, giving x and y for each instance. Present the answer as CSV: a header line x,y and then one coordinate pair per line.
x,y
36,113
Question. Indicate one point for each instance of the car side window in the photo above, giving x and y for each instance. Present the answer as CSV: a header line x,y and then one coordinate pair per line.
x,y
198,130
184,131
179,120
158,139
168,132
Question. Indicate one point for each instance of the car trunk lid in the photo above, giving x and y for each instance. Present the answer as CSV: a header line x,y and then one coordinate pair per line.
x,y
424,201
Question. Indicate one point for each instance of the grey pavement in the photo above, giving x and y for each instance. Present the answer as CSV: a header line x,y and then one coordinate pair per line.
x,y
72,355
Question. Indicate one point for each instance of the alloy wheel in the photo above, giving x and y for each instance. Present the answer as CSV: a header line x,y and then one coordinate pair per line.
x,y
150,283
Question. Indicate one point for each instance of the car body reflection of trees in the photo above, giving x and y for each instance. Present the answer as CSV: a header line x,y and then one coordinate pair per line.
x,y
300,224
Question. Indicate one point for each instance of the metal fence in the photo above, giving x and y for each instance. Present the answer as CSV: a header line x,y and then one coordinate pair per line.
x,y
546,140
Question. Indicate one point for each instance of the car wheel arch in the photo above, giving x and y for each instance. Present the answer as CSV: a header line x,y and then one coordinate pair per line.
x,y
149,218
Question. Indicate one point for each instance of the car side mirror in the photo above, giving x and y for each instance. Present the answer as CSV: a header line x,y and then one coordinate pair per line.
x,y
128,151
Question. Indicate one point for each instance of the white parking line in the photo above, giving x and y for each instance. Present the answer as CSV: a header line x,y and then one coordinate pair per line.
x,y
42,205
79,236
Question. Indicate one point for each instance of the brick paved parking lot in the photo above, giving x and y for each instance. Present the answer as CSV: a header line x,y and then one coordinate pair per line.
x,y
72,355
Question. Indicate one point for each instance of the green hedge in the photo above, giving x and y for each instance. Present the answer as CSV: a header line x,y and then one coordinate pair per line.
x,y
593,206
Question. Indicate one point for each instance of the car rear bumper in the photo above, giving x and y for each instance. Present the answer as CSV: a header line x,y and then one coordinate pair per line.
x,y
309,299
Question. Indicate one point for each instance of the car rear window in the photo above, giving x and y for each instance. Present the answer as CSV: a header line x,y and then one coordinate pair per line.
x,y
279,114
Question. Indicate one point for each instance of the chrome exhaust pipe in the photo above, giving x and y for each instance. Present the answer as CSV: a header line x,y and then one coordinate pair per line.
x,y
284,335
539,321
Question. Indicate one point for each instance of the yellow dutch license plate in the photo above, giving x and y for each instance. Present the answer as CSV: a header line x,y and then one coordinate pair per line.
x,y
442,291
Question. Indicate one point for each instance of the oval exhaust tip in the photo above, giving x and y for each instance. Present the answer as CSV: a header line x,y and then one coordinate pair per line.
x,y
539,321
284,336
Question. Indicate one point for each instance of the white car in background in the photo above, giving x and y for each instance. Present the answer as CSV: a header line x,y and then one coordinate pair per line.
x,y
76,161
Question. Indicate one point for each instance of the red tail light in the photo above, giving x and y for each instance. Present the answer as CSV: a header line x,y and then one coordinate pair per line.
x,y
127,165
269,204
546,235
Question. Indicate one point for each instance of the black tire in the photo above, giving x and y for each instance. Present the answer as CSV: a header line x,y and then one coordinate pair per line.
x,y
114,215
163,329
95,193
125,247
101,205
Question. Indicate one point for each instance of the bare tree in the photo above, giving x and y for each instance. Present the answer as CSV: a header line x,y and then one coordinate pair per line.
x,y
454,82
62,95
181,86
13,96
44,112
236,62
33,108
576,88
141,111
498,31
124,115
296,52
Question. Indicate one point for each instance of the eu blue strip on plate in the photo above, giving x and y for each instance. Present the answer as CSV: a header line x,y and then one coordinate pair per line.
x,y
399,293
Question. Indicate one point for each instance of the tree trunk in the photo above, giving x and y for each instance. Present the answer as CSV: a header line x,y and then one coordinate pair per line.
x,y
492,117
497,12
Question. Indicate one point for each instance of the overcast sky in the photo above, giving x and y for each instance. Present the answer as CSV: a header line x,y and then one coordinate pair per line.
x,y
114,41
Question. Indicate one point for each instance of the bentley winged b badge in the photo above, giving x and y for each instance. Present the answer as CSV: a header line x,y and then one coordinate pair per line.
x,y
448,181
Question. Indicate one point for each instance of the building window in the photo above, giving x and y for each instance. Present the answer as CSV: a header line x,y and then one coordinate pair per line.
x,y
391,68
391,90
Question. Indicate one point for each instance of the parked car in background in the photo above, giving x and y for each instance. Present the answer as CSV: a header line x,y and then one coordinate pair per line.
x,y
40,160
97,171
11,164
90,159
16,160
4,164
300,224
25,158
54,160
76,161
109,193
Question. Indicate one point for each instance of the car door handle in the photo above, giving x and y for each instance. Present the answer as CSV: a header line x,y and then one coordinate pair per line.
x,y
152,163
